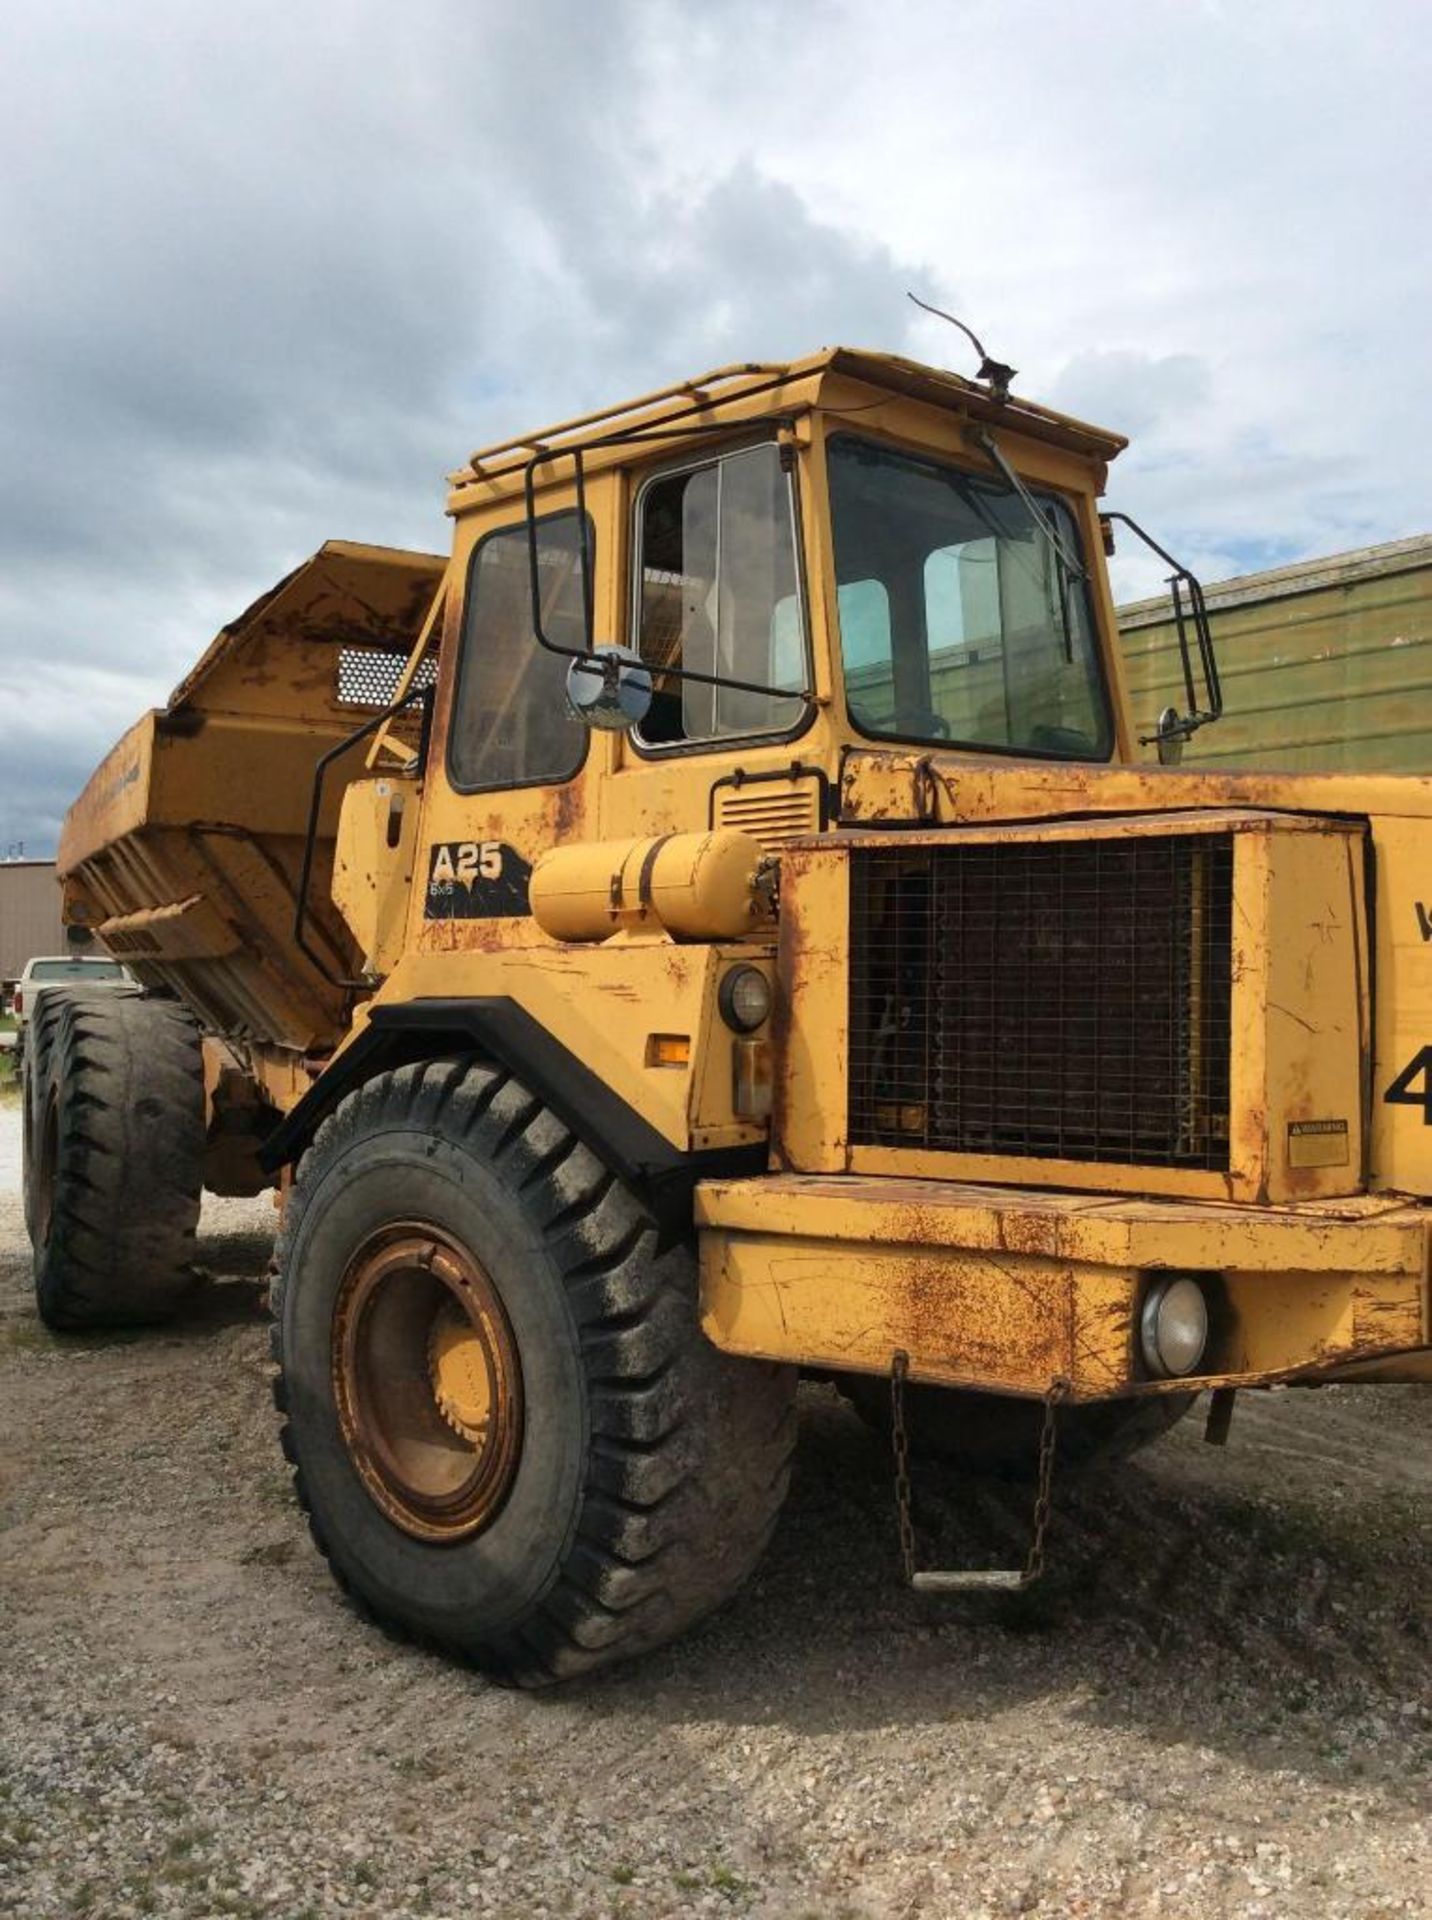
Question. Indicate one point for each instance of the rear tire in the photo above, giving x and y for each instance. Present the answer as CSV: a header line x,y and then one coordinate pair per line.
x,y
38,1032
113,1160
999,1433
622,1476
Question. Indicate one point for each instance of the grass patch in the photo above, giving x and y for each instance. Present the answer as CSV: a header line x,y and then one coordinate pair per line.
x,y
183,1873
9,1066
270,1553
24,1335
34,1336
183,1843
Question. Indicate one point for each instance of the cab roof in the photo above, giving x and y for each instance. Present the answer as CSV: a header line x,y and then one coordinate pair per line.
x,y
723,388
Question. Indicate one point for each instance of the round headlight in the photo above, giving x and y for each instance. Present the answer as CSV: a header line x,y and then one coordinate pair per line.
x,y
1173,1327
744,998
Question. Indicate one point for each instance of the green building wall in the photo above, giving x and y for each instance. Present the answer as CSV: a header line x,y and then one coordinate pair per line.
x,y
1326,664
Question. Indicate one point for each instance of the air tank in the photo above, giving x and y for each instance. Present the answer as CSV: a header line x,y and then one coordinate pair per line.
x,y
692,886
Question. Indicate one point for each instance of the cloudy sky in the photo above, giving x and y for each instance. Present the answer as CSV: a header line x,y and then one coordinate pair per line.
x,y
268,270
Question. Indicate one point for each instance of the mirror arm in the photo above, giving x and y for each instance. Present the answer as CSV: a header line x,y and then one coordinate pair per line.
x,y
540,456
1174,726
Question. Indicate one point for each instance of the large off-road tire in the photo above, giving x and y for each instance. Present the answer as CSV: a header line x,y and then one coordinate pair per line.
x,y
997,1433
114,1157
509,1433
39,1029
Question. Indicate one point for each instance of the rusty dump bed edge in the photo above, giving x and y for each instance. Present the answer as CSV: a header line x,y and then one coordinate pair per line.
x,y
184,850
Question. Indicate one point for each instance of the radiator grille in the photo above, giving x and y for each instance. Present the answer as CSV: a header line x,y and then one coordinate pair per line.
x,y
1055,999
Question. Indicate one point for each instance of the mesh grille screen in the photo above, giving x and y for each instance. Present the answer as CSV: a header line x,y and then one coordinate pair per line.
x,y
1056,999
369,676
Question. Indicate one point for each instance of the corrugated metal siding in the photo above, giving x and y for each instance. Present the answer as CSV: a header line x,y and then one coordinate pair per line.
x,y
29,914
1327,664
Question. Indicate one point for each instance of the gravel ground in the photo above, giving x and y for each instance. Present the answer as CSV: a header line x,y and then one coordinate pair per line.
x,y
1218,1702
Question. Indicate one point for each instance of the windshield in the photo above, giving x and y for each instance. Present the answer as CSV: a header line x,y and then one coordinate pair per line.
x,y
76,970
960,619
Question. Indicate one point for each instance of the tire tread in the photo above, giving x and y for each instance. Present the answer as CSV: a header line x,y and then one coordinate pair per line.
x,y
688,1451
125,1074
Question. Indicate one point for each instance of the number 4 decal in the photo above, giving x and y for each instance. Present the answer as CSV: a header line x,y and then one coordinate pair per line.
x,y
1404,1093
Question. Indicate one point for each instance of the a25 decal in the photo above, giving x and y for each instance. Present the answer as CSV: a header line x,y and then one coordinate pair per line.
x,y
476,880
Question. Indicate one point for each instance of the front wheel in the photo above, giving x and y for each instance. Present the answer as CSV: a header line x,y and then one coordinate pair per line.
x,y
511,1437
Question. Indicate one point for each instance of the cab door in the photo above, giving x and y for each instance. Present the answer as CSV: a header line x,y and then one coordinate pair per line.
x,y
511,767
718,590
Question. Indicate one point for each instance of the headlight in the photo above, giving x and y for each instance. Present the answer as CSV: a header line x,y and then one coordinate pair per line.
x,y
1173,1327
744,998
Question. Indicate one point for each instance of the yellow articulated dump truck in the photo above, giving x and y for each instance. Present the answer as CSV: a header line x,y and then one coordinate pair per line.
x,y
715,925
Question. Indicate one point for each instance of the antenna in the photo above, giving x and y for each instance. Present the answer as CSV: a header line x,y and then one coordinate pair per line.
x,y
995,372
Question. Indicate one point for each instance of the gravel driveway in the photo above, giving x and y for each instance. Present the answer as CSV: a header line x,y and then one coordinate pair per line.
x,y
1217,1703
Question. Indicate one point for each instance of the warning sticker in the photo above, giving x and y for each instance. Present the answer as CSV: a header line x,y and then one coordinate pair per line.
x,y
1317,1143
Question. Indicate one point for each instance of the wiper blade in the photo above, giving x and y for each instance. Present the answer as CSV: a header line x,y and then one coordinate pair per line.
x,y
1068,565
1070,562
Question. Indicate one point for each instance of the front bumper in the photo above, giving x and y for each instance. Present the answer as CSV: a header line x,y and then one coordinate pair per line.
x,y
1007,1289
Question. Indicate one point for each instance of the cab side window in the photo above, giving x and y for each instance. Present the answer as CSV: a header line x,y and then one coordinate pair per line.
x,y
718,592
511,725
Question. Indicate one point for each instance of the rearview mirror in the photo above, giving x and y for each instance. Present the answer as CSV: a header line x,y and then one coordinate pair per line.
x,y
1169,737
609,688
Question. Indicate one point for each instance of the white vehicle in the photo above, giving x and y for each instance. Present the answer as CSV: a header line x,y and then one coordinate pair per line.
x,y
63,970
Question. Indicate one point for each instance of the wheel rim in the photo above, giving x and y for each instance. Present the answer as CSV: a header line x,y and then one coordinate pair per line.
x,y
427,1382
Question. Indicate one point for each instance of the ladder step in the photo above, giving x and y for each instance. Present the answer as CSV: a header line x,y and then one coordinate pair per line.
x,y
991,1580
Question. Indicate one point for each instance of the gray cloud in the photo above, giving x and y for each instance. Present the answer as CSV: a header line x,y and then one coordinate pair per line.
x,y
272,270
275,274
1142,392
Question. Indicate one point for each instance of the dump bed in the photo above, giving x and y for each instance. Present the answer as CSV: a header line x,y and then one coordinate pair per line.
x,y
185,849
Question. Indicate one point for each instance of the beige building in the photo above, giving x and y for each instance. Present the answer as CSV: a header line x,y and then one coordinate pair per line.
x,y
29,915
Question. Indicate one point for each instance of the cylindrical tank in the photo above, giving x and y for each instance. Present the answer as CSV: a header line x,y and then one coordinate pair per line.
x,y
693,886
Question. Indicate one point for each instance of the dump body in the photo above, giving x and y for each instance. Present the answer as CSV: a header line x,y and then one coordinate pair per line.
x,y
185,850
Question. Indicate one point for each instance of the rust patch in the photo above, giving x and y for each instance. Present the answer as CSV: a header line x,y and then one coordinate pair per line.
x,y
791,945
1016,1332
568,812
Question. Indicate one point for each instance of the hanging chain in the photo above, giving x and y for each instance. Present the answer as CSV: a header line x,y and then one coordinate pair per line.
x,y
900,1440
1044,1492
1056,1392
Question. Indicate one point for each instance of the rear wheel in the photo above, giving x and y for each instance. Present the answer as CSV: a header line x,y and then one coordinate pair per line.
x,y
511,1437
114,1124
38,1031
999,1433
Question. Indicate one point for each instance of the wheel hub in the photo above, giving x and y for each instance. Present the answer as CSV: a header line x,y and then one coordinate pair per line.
x,y
460,1374
426,1382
